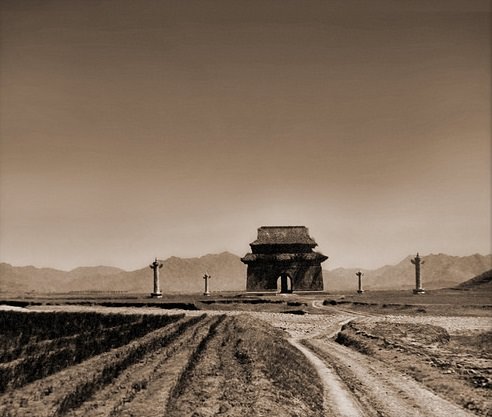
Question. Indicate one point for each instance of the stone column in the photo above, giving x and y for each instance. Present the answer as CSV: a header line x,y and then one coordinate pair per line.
x,y
206,277
417,261
155,266
359,275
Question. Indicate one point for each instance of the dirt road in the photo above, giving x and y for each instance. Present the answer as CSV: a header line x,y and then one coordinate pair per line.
x,y
338,400
378,389
355,384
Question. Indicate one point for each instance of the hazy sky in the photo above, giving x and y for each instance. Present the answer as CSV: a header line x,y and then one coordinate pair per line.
x,y
134,129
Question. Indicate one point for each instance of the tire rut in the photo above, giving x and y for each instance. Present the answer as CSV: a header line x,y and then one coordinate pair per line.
x,y
381,390
338,401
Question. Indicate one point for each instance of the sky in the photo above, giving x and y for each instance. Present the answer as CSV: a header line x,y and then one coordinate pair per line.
x,y
135,129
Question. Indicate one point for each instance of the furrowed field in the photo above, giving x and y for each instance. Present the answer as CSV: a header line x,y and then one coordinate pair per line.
x,y
92,364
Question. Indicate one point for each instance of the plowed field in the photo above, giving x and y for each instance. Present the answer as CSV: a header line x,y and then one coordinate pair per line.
x,y
79,364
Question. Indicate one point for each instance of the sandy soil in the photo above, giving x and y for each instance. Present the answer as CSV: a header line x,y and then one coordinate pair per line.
x,y
355,384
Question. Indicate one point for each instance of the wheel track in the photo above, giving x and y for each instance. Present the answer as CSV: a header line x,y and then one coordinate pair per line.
x,y
337,400
380,390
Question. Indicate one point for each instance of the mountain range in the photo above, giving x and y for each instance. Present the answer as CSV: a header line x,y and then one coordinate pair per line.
x,y
437,271
229,274
177,275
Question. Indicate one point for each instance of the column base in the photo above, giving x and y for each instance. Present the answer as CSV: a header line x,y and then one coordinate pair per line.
x,y
419,291
360,291
207,293
156,295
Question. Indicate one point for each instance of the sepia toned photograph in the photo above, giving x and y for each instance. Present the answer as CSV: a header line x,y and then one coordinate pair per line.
x,y
276,208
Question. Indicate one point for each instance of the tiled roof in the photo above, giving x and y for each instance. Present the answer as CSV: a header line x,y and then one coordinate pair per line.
x,y
283,235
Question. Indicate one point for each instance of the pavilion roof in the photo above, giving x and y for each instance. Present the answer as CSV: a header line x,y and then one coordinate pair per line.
x,y
284,235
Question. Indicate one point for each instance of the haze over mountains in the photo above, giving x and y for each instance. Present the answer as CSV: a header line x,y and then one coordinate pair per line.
x,y
229,274
438,271
176,275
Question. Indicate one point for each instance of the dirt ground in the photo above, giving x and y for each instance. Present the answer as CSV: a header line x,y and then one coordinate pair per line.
x,y
434,302
378,358
456,365
201,365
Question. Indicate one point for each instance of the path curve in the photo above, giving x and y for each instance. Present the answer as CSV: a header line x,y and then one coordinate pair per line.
x,y
360,386
337,399
381,389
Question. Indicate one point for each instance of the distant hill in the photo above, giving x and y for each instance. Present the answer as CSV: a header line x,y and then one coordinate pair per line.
x,y
482,282
229,274
30,278
438,271
176,275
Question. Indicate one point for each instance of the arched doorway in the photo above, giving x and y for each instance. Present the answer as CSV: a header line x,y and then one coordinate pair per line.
x,y
284,284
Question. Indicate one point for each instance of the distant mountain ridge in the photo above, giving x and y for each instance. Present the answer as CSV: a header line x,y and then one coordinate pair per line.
x,y
229,274
438,271
177,275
